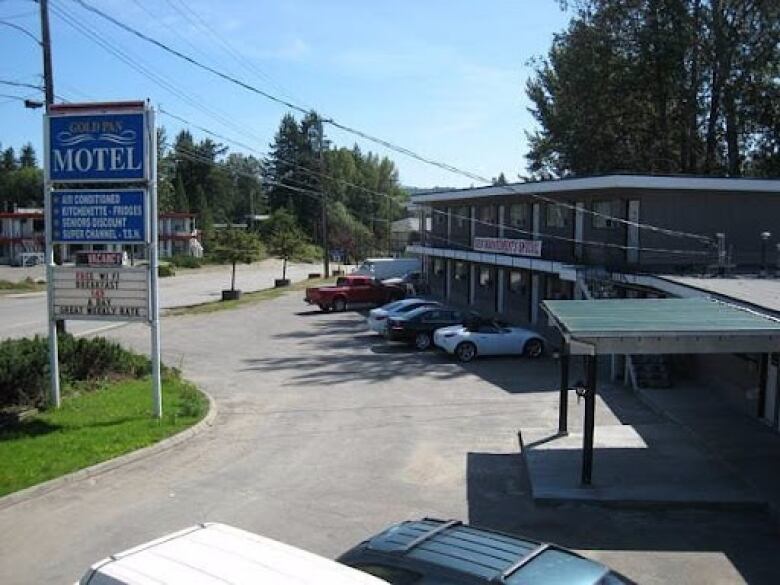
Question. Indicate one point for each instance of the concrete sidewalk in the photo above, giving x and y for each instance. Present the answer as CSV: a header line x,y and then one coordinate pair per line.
x,y
742,443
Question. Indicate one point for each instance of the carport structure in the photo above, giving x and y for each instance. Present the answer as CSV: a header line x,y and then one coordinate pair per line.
x,y
593,328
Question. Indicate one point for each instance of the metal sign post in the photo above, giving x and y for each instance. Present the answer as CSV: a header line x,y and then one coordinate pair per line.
x,y
54,362
102,144
154,267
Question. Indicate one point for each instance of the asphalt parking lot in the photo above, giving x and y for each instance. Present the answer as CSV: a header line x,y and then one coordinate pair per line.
x,y
326,434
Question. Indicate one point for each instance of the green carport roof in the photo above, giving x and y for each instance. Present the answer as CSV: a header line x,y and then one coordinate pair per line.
x,y
696,325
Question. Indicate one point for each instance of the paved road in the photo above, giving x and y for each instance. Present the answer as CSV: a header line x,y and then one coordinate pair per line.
x,y
325,435
22,315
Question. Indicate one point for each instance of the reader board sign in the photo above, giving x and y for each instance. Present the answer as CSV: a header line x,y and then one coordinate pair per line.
x,y
509,246
101,294
92,216
100,146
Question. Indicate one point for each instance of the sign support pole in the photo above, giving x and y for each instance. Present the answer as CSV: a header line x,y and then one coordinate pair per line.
x,y
54,362
154,264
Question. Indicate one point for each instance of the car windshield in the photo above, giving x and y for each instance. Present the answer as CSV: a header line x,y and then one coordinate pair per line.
x,y
394,306
412,306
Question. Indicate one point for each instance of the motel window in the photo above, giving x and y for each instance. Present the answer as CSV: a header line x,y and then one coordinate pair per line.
x,y
440,216
487,213
461,271
557,289
485,276
519,215
438,266
462,216
556,216
602,209
516,282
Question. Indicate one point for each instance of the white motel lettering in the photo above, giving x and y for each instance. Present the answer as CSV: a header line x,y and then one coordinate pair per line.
x,y
99,158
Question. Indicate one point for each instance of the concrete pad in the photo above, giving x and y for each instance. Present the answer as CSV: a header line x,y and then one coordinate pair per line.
x,y
657,464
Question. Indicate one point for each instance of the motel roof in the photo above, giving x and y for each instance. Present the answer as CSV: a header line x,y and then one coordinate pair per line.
x,y
658,182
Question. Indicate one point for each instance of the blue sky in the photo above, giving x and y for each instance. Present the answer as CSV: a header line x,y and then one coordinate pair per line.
x,y
443,78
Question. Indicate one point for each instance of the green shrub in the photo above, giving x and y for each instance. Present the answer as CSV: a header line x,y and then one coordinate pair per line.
x,y
24,366
309,253
92,358
192,403
165,270
186,261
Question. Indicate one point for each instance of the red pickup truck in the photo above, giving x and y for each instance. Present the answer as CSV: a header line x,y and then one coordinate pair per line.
x,y
353,291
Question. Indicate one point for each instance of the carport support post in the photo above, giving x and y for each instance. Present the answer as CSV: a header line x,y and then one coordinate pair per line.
x,y
563,405
590,419
763,376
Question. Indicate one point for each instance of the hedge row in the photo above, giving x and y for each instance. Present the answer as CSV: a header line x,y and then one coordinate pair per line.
x,y
24,366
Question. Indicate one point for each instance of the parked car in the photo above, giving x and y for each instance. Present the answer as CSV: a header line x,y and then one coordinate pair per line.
x,y
377,318
434,551
353,291
222,555
488,338
413,281
417,326
382,268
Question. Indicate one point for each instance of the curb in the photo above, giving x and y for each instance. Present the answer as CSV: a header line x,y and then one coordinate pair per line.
x,y
41,489
25,295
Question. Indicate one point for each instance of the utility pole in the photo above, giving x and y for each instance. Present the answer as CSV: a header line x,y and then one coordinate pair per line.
x,y
48,80
323,198
48,87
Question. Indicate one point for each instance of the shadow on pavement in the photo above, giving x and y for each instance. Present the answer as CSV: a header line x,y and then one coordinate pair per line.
x,y
499,497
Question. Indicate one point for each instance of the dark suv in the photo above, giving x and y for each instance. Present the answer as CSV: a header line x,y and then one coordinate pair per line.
x,y
429,552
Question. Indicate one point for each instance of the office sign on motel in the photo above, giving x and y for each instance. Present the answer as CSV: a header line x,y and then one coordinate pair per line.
x,y
509,246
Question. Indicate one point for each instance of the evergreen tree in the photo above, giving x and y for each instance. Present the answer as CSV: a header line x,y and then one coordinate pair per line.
x,y
659,86
180,200
27,158
9,160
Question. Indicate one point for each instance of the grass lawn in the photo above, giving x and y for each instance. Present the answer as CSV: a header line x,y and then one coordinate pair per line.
x,y
92,427
23,286
248,298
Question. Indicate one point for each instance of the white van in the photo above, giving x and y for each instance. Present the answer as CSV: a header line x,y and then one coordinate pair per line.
x,y
220,554
382,268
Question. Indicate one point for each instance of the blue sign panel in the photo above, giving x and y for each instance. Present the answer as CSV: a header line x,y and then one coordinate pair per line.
x,y
107,217
97,147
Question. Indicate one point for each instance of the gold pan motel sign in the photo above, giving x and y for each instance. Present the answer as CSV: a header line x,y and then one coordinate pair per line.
x,y
101,294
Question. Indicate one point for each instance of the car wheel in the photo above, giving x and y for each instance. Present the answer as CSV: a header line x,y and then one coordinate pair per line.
x,y
324,308
466,351
339,304
422,341
533,348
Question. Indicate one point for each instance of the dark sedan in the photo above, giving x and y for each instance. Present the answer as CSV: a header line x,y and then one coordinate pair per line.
x,y
417,327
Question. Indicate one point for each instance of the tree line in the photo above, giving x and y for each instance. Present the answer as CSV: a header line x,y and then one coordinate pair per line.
x,y
673,86
362,190
21,180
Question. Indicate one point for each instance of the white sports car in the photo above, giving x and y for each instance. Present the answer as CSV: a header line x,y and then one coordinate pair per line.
x,y
488,338
377,318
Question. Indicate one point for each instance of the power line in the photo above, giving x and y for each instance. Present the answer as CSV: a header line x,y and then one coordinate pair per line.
x,y
385,143
293,163
185,10
137,64
197,157
19,84
592,243
21,29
